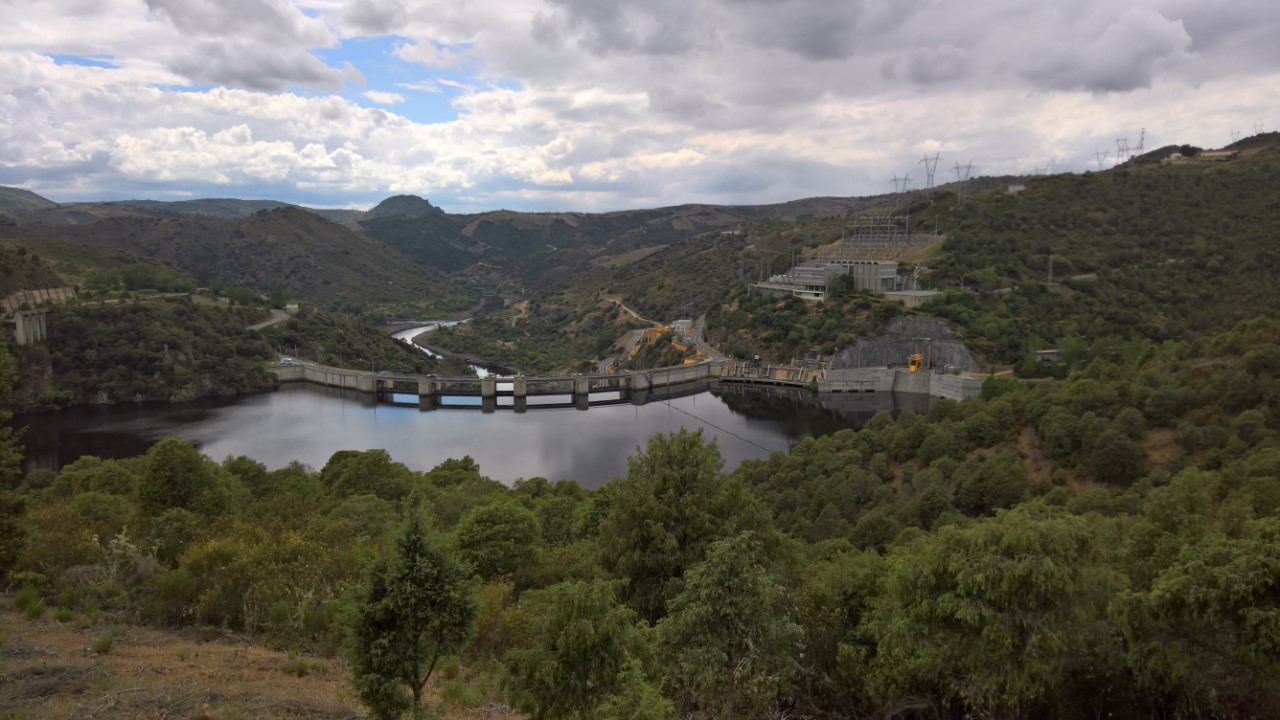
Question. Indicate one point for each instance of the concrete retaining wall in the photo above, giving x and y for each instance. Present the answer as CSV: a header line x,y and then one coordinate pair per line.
x,y
330,377
956,387
854,380
36,298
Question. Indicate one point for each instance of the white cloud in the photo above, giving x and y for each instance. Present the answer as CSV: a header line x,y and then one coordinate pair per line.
x,y
425,86
621,103
384,98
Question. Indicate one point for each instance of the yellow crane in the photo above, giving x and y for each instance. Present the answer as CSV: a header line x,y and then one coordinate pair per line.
x,y
916,362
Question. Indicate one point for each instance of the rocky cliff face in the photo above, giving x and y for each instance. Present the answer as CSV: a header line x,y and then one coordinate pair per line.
x,y
906,335
918,326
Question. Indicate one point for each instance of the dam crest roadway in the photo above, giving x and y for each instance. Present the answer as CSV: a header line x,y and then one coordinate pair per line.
x,y
519,392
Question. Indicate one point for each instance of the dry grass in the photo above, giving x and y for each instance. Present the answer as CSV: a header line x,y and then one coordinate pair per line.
x,y
1162,447
48,670
1038,466
617,261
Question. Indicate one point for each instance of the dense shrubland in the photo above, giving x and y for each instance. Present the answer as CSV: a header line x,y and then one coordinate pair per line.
x,y
176,350
341,340
1104,544
538,337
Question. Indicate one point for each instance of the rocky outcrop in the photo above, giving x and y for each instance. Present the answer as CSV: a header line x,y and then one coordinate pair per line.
x,y
887,351
906,335
919,326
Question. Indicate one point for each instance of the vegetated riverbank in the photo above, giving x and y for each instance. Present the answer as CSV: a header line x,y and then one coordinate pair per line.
x,y
418,334
141,352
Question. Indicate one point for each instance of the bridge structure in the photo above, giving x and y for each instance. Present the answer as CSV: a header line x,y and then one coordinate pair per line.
x,y
520,392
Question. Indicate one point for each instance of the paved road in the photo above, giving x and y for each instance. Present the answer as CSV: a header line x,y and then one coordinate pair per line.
x,y
277,317
706,349
633,313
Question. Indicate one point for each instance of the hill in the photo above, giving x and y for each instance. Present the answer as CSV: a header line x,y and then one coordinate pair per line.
x,y
23,270
404,206
16,202
225,208
1176,249
534,251
1153,250
162,351
319,261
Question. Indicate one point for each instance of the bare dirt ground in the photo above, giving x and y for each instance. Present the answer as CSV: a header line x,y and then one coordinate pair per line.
x,y
49,669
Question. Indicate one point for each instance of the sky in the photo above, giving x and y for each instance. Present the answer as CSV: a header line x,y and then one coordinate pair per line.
x,y
596,105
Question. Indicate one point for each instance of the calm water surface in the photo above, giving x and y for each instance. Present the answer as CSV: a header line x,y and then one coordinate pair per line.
x,y
308,423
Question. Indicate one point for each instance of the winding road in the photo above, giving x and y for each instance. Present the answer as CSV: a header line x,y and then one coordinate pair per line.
x,y
277,317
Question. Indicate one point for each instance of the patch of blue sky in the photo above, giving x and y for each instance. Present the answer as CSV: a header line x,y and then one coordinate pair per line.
x,y
101,61
427,93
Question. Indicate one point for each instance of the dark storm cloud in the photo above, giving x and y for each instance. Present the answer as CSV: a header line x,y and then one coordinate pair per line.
x,y
1124,56
604,27
276,20
255,67
254,44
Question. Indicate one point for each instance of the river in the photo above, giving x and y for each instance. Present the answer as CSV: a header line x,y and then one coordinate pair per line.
x,y
308,423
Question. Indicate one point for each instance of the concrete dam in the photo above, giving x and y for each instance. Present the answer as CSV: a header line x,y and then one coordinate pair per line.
x,y
519,393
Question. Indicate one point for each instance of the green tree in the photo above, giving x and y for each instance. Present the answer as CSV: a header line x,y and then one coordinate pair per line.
x,y
176,475
994,616
1116,458
673,502
10,445
636,698
12,533
578,641
413,609
498,539
726,634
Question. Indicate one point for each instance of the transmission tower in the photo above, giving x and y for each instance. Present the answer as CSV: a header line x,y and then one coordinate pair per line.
x,y
1142,142
1041,170
1258,128
930,167
1235,136
962,177
1102,156
1122,150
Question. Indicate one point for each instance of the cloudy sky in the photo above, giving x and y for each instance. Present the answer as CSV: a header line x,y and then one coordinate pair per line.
x,y
606,104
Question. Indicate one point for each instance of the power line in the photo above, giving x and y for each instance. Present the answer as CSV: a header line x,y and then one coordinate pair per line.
x,y
723,430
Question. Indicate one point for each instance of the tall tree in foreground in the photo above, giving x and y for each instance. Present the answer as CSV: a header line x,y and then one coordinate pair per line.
x,y
415,608
673,502
725,633
579,638
998,618
10,445
12,534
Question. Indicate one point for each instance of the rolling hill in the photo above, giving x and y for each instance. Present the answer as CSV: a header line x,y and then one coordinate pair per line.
x,y
16,202
319,261
535,251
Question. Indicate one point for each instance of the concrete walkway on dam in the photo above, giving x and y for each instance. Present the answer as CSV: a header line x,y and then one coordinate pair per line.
x,y
520,392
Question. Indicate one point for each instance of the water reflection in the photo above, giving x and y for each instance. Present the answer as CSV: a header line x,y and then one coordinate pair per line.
x,y
309,423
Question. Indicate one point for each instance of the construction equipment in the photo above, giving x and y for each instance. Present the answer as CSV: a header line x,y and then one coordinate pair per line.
x,y
917,362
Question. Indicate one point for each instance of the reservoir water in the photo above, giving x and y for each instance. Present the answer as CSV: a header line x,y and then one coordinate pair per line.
x,y
308,424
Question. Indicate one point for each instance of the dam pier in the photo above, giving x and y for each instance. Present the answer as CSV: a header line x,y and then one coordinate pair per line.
x,y
520,392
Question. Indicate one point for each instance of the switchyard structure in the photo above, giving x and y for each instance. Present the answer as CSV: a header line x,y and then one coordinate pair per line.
x,y
869,251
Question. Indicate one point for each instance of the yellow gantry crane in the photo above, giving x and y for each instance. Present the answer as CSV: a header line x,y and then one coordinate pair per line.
x,y
917,362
